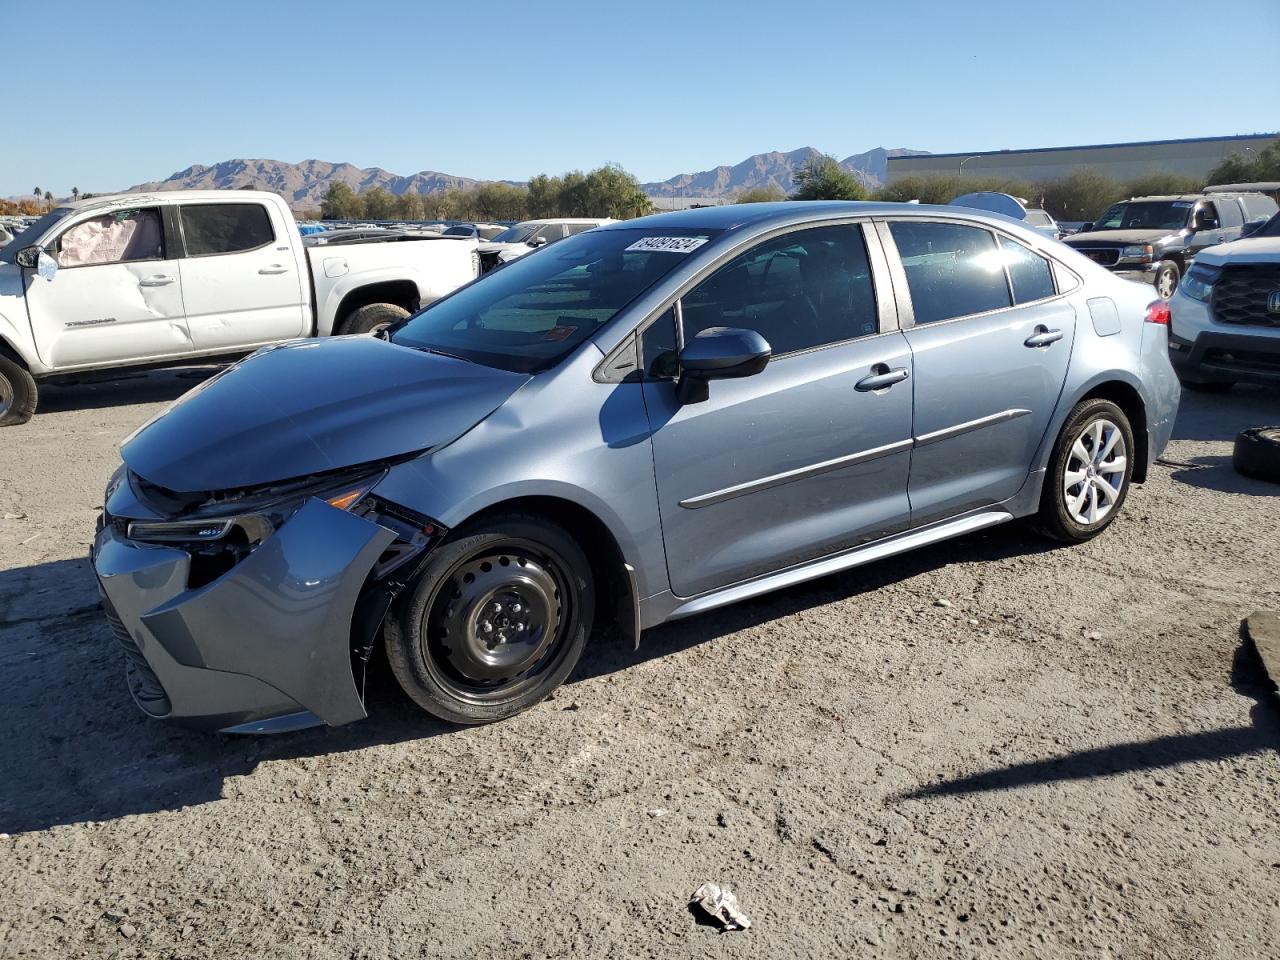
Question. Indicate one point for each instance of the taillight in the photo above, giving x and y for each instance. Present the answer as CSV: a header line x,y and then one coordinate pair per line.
x,y
1158,312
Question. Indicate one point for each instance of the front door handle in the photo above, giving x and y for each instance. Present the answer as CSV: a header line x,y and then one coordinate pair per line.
x,y
274,268
882,376
1043,337
159,280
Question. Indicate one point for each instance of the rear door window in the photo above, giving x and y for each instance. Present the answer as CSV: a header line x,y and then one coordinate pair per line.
x,y
953,270
801,290
1229,211
1030,273
210,229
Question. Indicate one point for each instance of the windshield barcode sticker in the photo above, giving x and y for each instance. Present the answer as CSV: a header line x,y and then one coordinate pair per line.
x,y
667,244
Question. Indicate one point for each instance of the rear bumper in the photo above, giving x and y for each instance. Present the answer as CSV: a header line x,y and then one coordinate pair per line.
x,y
1141,274
266,646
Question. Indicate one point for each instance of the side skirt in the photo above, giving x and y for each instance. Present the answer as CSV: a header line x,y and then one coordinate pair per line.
x,y
666,606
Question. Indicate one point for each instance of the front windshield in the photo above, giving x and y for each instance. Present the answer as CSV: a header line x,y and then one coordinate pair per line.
x,y
1146,215
460,232
28,236
533,312
517,234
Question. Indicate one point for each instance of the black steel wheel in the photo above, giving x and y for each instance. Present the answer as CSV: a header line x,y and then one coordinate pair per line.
x,y
497,620
17,392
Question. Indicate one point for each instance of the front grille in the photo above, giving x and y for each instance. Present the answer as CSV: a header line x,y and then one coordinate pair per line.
x,y
1242,292
1106,256
143,681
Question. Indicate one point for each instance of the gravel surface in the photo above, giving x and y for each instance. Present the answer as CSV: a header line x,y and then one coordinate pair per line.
x,y
1074,755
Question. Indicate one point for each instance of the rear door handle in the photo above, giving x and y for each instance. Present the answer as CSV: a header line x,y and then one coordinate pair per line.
x,y
882,376
274,268
159,280
1043,337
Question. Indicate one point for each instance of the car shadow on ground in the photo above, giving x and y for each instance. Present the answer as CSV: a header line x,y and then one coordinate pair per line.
x,y
120,388
77,749
1220,416
1217,473
1248,678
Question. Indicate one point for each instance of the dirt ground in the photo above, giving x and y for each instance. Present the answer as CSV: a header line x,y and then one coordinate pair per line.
x,y
1077,758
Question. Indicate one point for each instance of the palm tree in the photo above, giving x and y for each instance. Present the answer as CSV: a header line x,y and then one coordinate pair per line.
x,y
36,191
48,199
75,193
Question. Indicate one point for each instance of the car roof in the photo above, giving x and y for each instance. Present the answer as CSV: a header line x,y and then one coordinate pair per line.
x,y
114,199
734,215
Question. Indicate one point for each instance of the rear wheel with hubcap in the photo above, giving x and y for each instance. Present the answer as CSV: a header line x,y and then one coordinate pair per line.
x,y
1089,473
497,620
373,318
1166,279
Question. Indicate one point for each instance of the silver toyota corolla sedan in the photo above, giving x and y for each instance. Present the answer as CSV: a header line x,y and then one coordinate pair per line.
x,y
642,422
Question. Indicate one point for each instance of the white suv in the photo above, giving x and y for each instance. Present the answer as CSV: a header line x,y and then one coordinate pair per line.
x,y
1226,313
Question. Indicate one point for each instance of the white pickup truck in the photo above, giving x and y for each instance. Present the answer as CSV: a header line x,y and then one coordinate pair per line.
x,y
165,278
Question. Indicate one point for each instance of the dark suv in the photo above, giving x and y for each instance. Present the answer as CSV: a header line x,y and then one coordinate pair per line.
x,y
1153,239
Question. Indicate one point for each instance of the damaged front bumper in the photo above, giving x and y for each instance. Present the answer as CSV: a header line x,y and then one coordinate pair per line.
x,y
266,646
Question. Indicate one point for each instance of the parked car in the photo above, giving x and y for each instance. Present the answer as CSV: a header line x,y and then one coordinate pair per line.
x,y
6,235
1042,222
1226,314
473,231
649,420
166,278
1154,239
528,235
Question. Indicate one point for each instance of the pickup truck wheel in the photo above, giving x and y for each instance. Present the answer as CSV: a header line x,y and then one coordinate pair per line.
x,y
1167,277
17,393
495,622
372,318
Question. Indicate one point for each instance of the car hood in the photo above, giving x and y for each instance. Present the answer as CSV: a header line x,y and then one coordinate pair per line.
x,y
1116,237
311,406
1248,250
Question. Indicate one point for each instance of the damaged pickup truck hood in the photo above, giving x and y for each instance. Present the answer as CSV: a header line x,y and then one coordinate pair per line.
x,y
311,406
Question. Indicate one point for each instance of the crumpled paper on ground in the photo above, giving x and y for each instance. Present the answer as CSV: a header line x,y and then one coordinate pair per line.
x,y
721,905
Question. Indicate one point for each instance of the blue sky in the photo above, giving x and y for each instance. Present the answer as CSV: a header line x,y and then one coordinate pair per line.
x,y
102,95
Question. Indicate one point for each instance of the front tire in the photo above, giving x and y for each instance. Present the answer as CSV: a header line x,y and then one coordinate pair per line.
x,y
1166,279
373,318
18,392
1089,473
496,621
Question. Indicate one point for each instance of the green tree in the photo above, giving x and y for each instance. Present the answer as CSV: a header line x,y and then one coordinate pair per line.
x,y
1153,184
942,188
499,201
612,192
767,194
822,178
75,193
544,196
1081,195
1249,166
48,199
378,204
340,203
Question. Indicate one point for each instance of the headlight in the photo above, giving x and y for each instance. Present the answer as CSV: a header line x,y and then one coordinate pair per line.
x,y
1137,252
1198,283
255,520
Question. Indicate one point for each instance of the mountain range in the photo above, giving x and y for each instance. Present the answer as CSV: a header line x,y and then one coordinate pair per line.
x,y
304,184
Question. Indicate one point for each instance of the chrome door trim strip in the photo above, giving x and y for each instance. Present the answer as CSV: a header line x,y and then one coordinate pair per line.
x,y
875,453
800,473
946,433
844,561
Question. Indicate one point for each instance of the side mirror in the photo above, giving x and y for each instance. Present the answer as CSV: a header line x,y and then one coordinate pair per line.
x,y
36,257
1085,227
719,353
538,242
1202,222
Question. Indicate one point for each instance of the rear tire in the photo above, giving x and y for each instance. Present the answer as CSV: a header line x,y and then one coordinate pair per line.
x,y
1089,473
373,318
18,392
496,621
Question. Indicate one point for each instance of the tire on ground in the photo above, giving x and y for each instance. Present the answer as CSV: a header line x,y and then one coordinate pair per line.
x,y
1257,453
417,657
18,393
1053,519
371,317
